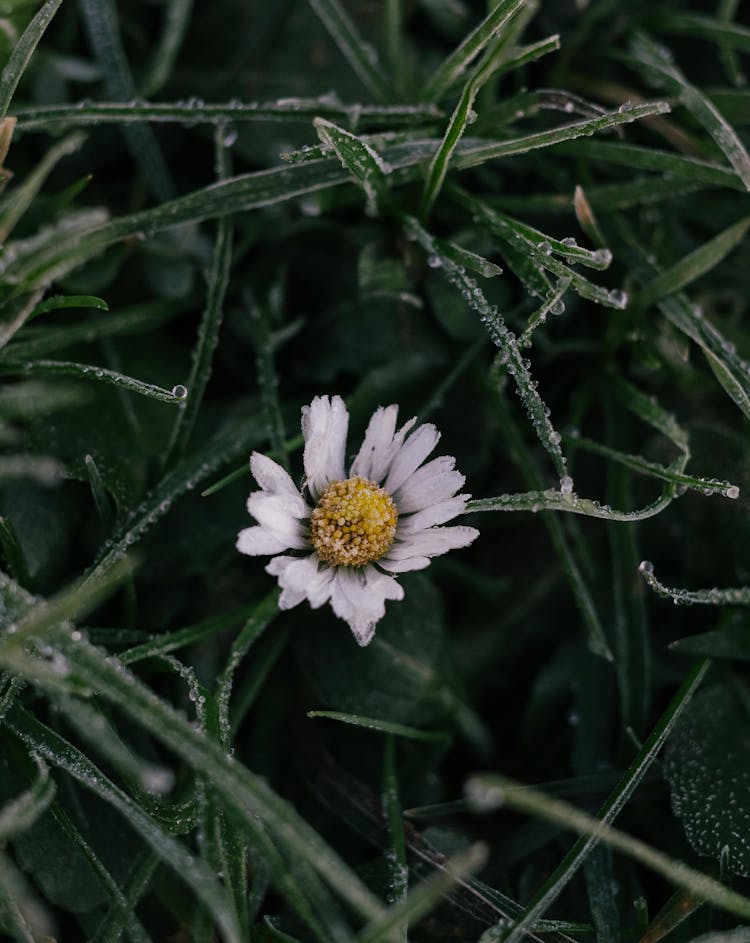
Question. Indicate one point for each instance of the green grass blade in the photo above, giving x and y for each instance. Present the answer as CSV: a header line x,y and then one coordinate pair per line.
x,y
111,928
297,110
358,53
174,27
736,596
262,616
249,795
692,266
658,61
65,756
24,49
84,371
69,301
727,35
398,865
654,470
19,905
358,157
645,158
102,501
13,555
505,341
383,726
18,200
607,813
464,54
210,324
479,152
101,22
559,501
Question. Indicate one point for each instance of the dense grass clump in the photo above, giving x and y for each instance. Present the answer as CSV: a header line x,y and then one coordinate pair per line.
x,y
523,221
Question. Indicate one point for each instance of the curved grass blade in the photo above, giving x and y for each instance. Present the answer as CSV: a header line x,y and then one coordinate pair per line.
x,y
460,59
652,469
19,904
111,928
24,49
18,200
174,27
101,22
13,555
64,755
607,813
383,726
658,61
251,798
736,596
102,501
20,813
262,616
359,54
560,501
86,371
69,301
728,35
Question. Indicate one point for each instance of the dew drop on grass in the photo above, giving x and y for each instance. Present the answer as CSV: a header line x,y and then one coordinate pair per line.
x,y
180,391
566,484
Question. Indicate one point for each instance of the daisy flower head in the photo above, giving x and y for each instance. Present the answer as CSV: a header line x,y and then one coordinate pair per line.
x,y
344,537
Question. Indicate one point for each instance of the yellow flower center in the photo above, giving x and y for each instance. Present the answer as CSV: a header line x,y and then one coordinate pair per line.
x,y
354,522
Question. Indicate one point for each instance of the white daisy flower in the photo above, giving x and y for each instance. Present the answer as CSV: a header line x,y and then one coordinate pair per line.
x,y
350,533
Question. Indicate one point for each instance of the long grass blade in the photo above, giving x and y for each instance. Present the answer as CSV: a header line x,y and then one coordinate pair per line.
x,y
24,49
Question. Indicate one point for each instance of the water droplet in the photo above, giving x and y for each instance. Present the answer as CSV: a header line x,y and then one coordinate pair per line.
x,y
732,492
180,391
566,484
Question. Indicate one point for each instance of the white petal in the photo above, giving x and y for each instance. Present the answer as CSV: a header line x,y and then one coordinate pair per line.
x,y
402,566
301,577
381,461
270,475
256,542
433,542
358,597
279,514
430,516
411,455
432,484
324,425
377,441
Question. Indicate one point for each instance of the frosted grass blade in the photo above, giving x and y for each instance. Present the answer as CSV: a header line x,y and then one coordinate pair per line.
x,y
86,371
572,503
736,596
608,812
490,790
504,339
298,110
24,49
459,60
64,755
211,319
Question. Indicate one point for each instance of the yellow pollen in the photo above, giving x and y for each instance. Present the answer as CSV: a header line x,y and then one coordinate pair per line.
x,y
354,522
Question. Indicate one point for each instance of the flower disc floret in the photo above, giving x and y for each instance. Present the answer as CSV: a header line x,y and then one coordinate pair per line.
x,y
354,522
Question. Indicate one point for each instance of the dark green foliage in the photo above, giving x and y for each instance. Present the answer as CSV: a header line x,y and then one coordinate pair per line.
x,y
524,221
